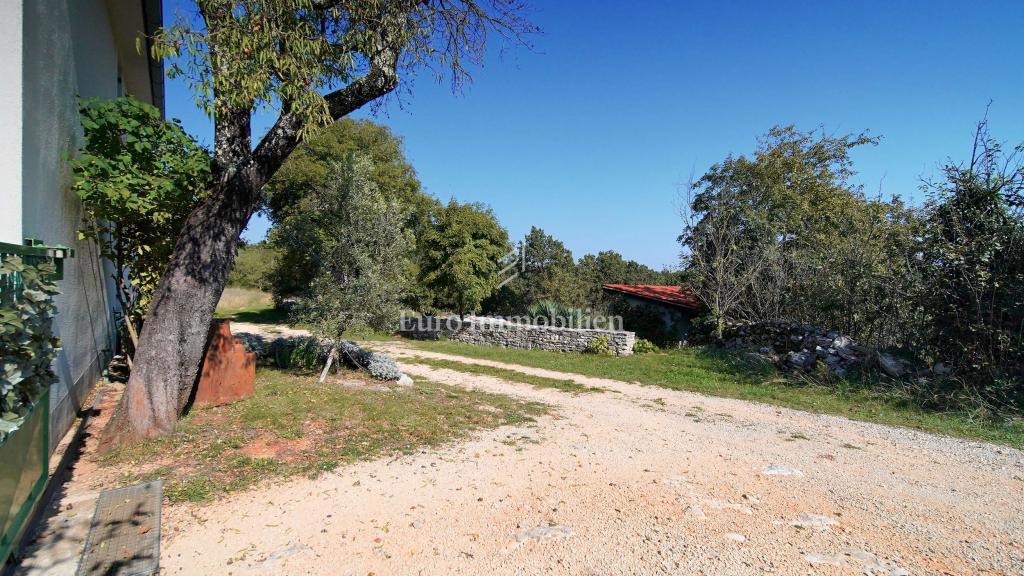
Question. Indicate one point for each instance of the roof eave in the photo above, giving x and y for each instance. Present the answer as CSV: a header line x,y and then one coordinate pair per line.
x,y
153,15
652,299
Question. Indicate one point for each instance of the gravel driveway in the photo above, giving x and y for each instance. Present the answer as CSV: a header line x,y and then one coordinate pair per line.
x,y
634,480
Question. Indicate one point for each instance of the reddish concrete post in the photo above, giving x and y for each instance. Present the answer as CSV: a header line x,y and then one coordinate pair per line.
x,y
229,370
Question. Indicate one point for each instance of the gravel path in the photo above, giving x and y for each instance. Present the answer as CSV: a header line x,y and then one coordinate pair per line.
x,y
634,480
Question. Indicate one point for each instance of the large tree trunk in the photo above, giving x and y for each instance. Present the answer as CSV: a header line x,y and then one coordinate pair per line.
x,y
174,334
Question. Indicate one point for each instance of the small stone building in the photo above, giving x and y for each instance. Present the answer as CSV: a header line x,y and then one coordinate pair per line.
x,y
663,314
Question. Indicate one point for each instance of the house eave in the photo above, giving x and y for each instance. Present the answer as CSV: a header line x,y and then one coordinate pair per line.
x,y
152,13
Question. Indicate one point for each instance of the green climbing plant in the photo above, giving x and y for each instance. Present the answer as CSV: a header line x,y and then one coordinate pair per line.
x,y
27,343
138,177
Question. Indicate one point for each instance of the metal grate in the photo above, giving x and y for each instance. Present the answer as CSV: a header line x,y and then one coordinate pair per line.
x,y
124,538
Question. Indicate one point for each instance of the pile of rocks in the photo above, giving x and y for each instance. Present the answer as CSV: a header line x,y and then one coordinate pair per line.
x,y
799,347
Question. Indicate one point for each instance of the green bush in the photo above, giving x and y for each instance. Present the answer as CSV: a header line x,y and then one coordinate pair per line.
x,y
644,346
972,281
27,343
298,353
254,267
598,345
138,177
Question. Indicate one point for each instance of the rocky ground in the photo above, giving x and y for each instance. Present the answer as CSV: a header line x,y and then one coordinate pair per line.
x,y
633,480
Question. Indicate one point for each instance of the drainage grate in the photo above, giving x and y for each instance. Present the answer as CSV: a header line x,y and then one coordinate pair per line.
x,y
124,539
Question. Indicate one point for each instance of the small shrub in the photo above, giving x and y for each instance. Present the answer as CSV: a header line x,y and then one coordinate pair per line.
x,y
379,366
598,345
302,353
644,346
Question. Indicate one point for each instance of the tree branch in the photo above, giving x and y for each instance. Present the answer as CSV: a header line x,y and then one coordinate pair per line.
x,y
282,138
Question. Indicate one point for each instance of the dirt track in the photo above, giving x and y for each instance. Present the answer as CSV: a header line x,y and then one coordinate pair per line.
x,y
634,480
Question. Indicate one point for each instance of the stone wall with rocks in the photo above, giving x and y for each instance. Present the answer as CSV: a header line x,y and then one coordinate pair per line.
x,y
796,347
497,332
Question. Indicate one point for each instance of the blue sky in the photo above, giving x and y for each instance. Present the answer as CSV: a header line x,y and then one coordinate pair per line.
x,y
590,134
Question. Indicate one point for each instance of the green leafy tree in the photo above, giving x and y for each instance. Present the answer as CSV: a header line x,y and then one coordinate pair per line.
x,y
463,252
255,266
311,167
973,277
313,62
546,273
138,177
860,280
769,236
355,235
550,270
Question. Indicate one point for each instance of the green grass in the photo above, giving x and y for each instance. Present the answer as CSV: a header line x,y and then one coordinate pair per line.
x,y
248,305
254,315
718,374
565,385
295,426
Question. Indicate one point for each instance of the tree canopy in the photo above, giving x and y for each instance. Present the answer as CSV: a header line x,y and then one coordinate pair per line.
x,y
313,166
138,177
463,252
313,62
354,235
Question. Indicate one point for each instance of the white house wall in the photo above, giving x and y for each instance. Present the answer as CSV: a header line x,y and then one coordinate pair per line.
x,y
68,51
10,121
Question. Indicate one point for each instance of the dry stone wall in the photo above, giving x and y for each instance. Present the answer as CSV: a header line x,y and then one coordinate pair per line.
x,y
497,332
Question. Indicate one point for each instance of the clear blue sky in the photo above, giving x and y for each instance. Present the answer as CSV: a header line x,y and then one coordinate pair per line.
x,y
589,135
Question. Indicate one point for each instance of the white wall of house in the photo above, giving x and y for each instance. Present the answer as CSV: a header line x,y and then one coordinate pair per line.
x,y
70,48
10,121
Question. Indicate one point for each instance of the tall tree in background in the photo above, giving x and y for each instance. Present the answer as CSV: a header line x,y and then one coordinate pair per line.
x,y
314,60
354,234
785,234
254,266
547,272
463,252
312,167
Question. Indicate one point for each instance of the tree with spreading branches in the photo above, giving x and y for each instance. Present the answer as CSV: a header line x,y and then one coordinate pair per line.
x,y
312,62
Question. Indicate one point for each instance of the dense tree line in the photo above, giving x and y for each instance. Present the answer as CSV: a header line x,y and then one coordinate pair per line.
x,y
453,253
783,234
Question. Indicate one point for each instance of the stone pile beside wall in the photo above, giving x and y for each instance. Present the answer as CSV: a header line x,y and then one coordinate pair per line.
x,y
497,332
795,346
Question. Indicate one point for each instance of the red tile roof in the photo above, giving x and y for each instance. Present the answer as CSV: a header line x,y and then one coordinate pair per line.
x,y
674,295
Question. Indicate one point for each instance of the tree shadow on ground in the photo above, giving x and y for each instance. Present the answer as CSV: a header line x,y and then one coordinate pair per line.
x,y
255,316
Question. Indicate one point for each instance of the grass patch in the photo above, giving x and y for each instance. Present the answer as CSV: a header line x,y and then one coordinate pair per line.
x,y
565,385
293,425
719,374
249,305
